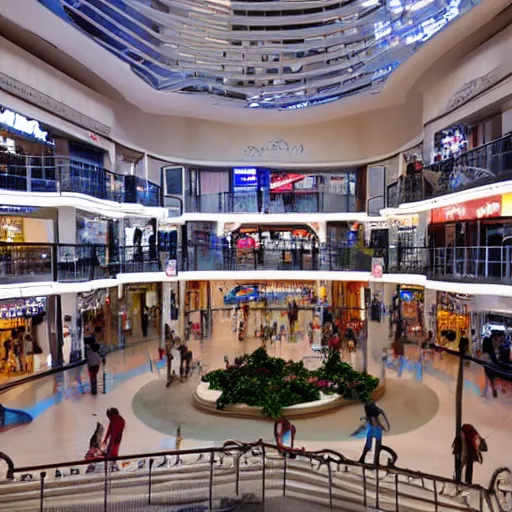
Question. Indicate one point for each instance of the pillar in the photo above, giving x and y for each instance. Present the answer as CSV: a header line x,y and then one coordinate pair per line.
x,y
66,304
506,121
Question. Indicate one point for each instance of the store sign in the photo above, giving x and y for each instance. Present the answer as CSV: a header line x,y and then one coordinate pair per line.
x,y
245,177
377,267
22,124
484,208
171,268
17,209
405,221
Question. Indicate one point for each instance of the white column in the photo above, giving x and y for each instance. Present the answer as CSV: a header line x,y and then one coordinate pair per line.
x,y
67,235
506,121
69,308
67,225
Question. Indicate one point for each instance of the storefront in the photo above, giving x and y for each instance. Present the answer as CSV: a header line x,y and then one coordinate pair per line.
x,y
411,311
200,299
98,312
348,305
473,237
19,224
453,314
140,312
26,341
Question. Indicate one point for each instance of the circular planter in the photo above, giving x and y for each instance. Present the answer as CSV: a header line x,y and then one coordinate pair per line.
x,y
206,399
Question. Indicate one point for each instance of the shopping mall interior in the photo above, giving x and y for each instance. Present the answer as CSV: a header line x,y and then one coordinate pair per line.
x,y
222,290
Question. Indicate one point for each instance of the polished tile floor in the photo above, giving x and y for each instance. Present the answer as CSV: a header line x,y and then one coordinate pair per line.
x,y
422,413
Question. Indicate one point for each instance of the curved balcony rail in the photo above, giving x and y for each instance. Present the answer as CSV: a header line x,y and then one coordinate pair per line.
x,y
66,174
244,476
281,256
486,264
489,163
271,202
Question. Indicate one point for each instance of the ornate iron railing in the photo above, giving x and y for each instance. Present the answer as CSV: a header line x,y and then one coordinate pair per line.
x,y
489,163
224,478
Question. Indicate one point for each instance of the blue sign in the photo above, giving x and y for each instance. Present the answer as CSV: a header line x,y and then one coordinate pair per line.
x,y
245,178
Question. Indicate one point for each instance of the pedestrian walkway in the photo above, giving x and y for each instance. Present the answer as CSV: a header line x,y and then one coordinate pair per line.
x,y
64,422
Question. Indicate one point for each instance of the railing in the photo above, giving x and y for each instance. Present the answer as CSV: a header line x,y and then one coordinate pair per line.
x,y
281,256
469,263
22,262
66,174
491,162
271,202
236,475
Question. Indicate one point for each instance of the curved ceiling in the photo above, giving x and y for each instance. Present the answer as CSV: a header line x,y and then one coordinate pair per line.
x,y
262,54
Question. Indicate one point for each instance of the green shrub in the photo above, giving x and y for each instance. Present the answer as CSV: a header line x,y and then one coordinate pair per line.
x,y
272,383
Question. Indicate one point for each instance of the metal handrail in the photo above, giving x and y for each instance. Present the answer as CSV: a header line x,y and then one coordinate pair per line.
x,y
264,201
64,173
371,475
490,162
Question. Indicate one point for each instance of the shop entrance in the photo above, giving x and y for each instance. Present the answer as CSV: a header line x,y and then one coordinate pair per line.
x,y
139,312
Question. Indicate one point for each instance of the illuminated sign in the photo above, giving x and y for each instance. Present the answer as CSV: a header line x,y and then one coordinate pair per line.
x,y
23,125
17,209
484,208
245,178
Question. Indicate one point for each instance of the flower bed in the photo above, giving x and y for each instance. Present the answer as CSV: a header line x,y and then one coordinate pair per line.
x,y
259,380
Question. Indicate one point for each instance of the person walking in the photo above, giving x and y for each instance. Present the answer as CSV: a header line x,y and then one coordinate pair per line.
x,y
93,358
114,434
374,428
185,359
472,446
145,322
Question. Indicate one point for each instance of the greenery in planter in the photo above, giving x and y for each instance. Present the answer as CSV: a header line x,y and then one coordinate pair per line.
x,y
273,383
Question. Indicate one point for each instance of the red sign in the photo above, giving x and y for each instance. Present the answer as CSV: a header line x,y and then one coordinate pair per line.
x,y
484,208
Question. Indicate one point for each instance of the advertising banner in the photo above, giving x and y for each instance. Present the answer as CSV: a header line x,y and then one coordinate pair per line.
x,y
377,267
485,208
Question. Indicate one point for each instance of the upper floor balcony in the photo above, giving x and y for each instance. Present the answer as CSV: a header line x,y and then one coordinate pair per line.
x,y
29,262
280,255
471,264
60,174
482,165
268,202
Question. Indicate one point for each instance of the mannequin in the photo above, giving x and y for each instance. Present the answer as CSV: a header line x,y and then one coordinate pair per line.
x,y
67,340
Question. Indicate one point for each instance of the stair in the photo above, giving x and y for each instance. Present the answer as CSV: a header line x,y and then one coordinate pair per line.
x,y
185,487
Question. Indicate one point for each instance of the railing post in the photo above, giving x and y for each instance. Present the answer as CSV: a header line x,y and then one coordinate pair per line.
x,y
329,472
377,487
105,489
486,265
364,487
210,491
397,508
507,262
151,462
285,464
41,492
237,484
263,475
436,505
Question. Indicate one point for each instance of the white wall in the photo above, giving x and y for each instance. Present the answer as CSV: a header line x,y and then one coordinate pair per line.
x,y
38,230
484,68
67,225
